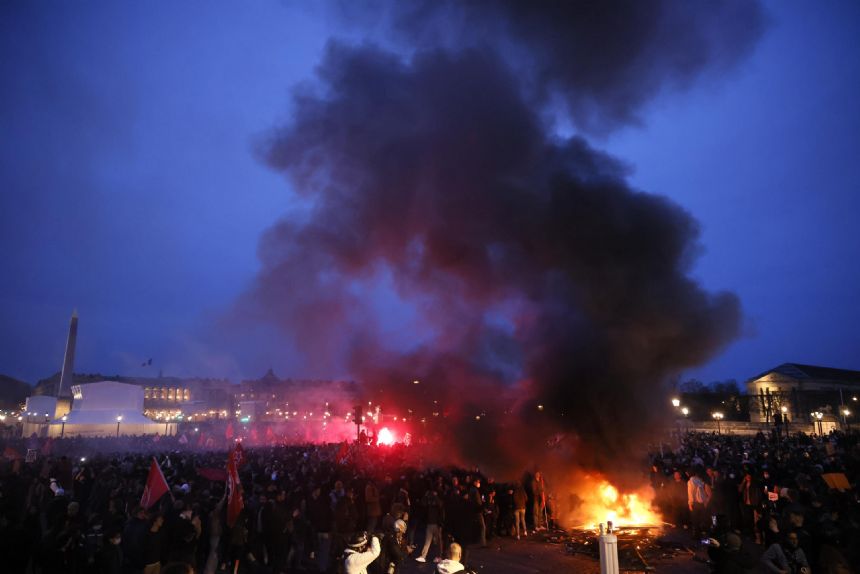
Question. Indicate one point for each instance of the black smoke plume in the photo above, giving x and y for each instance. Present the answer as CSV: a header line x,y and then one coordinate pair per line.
x,y
549,296
602,60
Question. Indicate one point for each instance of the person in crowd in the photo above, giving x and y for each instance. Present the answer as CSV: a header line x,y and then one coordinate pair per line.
x,y
785,557
451,564
476,509
360,553
435,518
520,499
152,547
729,556
698,498
538,501
110,557
373,509
394,548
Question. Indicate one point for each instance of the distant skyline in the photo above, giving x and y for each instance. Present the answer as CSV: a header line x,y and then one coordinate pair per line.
x,y
132,185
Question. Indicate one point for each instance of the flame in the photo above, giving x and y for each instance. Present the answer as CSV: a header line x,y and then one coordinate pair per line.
x,y
601,502
385,436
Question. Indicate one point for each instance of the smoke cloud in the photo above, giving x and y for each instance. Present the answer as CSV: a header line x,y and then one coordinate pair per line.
x,y
544,296
602,60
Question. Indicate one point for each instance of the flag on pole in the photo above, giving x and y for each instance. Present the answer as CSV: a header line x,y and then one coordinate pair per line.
x,y
238,456
234,490
156,486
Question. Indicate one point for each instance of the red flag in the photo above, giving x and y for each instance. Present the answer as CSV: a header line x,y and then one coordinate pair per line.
x,y
218,474
238,456
234,490
156,486
342,452
228,434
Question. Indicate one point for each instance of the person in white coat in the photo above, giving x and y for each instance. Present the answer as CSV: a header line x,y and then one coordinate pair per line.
x,y
359,554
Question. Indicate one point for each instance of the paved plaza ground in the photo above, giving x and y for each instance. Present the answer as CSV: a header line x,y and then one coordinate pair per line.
x,y
508,556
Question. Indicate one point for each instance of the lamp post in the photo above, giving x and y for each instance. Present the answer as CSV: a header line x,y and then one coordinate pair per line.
x,y
845,414
685,411
817,416
118,420
63,426
676,403
718,417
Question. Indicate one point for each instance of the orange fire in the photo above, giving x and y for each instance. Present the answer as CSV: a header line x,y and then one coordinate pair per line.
x,y
601,502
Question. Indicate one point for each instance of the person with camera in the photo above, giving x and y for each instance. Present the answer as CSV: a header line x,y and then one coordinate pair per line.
x,y
360,553
786,557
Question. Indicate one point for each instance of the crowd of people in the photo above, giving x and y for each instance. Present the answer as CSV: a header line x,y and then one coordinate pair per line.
x,y
774,503
765,503
309,508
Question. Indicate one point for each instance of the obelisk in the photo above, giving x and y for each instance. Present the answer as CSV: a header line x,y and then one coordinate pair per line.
x,y
69,359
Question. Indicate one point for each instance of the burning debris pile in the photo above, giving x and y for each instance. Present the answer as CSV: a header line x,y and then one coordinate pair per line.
x,y
639,547
595,500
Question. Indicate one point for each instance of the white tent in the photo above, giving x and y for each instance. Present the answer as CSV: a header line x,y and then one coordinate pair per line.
x,y
107,409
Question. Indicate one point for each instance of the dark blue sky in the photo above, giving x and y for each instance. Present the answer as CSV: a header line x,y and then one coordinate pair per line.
x,y
130,187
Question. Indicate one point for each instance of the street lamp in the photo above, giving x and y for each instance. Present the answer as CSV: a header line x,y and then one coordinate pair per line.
x,y
847,413
63,426
676,403
118,420
818,415
718,417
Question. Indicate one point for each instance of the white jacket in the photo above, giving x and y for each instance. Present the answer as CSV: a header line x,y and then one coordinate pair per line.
x,y
448,566
357,562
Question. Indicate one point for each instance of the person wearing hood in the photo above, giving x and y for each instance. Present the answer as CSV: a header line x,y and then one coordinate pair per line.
x,y
359,554
394,549
451,564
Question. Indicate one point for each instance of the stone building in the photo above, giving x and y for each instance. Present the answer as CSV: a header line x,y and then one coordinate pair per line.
x,y
798,391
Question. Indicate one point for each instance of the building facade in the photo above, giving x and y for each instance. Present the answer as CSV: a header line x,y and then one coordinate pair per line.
x,y
805,393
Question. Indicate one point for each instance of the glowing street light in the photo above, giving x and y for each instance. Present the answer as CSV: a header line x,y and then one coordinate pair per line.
x,y
118,420
718,416
818,415
63,426
685,411
676,403
845,414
